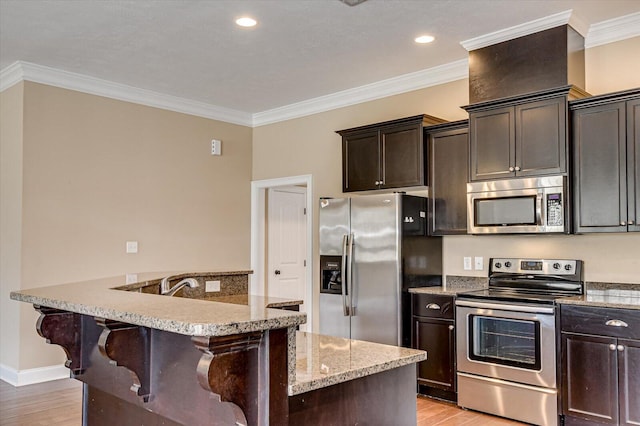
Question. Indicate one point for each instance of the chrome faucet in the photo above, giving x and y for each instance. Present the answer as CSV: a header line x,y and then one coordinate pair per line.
x,y
167,290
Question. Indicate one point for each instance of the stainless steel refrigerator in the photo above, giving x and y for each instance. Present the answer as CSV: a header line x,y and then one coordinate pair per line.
x,y
373,248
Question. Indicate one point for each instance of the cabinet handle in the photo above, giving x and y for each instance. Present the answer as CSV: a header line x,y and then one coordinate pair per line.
x,y
620,348
433,306
451,328
612,347
630,222
377,182
511,169
616,323
517,168
623,223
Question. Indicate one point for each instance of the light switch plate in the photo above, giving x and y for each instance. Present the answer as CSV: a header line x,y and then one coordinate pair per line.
x,y
479,263
467,263
211,286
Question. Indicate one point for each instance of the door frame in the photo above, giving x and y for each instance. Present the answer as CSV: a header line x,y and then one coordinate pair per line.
x,y
257,280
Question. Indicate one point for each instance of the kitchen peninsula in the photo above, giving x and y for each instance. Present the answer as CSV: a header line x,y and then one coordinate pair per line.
x,y
146,358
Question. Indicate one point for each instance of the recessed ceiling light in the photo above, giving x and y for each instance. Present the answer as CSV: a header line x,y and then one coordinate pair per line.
x,y
424,39
245,21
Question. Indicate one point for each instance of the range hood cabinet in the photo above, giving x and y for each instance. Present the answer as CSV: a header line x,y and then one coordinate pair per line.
x,y
544,60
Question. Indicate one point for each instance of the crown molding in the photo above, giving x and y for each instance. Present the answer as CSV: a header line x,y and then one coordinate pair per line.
x,y
613,30
510,33
82,83
10,76
405,83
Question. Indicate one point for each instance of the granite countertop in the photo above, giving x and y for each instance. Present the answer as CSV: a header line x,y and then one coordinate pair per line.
x,y
454,285
323,361
192,317
599,294
607,295
252,300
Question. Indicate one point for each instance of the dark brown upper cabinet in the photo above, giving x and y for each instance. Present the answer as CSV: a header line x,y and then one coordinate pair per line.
x,y
520,136
448,146
606,157
385,155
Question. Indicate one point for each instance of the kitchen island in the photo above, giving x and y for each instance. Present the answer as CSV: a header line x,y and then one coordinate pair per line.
x,y
146,358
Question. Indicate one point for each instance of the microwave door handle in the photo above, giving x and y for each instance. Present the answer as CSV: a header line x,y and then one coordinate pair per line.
x,y
539,207
344,276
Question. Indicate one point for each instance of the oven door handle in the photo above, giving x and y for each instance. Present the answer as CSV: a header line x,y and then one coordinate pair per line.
x,y
506,307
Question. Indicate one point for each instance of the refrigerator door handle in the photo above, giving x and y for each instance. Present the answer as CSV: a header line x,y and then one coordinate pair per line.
x,y
352,309
343,275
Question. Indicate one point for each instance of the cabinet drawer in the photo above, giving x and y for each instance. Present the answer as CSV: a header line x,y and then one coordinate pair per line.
x,y
432,305
592,320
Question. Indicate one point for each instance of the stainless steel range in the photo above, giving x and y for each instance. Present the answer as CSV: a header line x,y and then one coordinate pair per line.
x,y
506,338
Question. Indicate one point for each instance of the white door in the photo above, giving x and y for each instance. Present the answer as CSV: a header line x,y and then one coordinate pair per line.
x,y
286,236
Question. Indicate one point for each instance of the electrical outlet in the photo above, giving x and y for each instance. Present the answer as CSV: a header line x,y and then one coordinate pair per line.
x,y
479,263
131,278
210,286
132,247
467,263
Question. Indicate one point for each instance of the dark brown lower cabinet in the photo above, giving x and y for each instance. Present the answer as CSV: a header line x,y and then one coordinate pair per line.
x,y
433,330
600,374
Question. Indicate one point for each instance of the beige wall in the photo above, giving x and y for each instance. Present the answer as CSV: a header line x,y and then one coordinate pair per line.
x,y
612,67
309,145
11,104
99,172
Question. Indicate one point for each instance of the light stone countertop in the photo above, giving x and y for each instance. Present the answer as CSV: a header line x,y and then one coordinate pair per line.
x,y
323,361
315,361
621,296
454,285
434,290
253,300
192,317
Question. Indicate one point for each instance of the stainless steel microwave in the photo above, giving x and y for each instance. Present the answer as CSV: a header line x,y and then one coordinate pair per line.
x,y
518,206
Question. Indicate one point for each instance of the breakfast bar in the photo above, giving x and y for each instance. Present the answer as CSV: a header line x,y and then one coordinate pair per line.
x,y
149,358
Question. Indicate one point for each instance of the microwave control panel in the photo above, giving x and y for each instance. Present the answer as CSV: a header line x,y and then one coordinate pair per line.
x,y
555,216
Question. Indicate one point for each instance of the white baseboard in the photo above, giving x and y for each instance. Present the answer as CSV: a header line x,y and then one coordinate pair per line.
x,y
33,375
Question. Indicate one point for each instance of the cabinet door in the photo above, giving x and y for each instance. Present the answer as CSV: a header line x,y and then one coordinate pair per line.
x,y
629,379
437,337
633,164
600,176
541,135
492,144
402,158
590,378
448,166
360,161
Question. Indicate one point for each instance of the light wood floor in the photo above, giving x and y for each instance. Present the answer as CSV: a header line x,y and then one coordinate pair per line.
x,y
432,412
58,403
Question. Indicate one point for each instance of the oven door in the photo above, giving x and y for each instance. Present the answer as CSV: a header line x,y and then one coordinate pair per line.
x,y
507,341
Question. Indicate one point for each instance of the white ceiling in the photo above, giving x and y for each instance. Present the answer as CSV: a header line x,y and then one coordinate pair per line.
x,y
300,49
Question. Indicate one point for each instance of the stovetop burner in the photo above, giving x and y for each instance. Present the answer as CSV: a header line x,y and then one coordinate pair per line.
x,y
530,280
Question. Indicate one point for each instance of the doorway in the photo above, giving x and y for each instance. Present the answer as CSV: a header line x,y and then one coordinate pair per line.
x,y
281,240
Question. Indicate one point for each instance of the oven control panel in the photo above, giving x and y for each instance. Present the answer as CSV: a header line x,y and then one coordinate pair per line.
x,y
534,266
